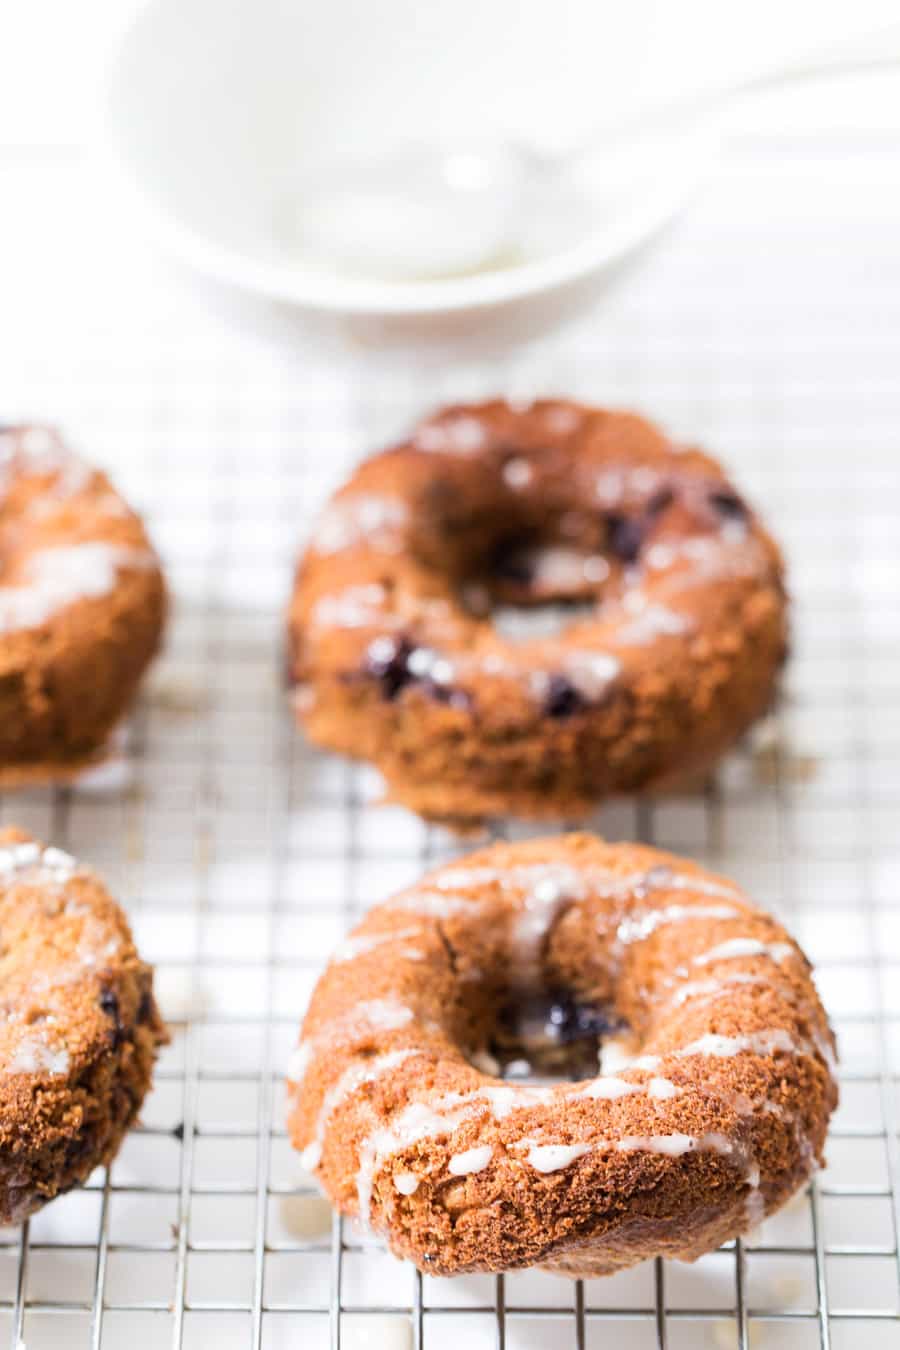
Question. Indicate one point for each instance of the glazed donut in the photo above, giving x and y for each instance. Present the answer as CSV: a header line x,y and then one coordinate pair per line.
x,y
715,1083
82,604
524,609
79,1030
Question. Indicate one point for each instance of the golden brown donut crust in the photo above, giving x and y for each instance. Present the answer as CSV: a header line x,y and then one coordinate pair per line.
x,y
79,1031
716,1116
82,607
395,655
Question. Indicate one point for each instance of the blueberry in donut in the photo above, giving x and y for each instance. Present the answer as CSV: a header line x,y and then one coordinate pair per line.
x,y
704,1063
521,610
80,1029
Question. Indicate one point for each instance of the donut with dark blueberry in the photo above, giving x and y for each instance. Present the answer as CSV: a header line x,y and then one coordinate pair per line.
x,y
563,1053
524,609
81,1029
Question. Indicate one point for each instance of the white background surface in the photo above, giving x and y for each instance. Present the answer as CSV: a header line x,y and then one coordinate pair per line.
x,y
765,325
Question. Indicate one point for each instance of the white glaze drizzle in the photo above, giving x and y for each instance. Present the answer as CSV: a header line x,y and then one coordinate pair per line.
x,y
591,672
672,1145
517,473
706,989
299,1061
715,1046
663,877
52,867
518,877
460,434
472,1160
378,1014
517,624
362,517
353,607
17,857
637,927
563,568
757,1043
57,577
549,887
662,1089
653,622
504,1099
541,906
424,663
38,450
560,420
580,882
711,1142
614,1054
31,862
353,947
432,903
415,1122
407,1183
648,1062
547,1158
737,948
61,864
422,1120
350,1081
605,1088
613,485
716,557
34,1055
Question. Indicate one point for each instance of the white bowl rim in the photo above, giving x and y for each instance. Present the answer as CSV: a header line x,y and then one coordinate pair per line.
x,y
348,296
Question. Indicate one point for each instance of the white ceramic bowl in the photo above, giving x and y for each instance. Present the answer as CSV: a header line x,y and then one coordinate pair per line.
x,y
212,106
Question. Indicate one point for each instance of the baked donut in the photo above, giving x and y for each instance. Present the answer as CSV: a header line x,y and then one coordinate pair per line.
x,y
524,609
79,1029
715,1083
82,604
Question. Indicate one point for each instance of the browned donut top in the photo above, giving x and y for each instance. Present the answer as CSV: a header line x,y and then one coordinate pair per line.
x,y
68,541
423,569
727,1048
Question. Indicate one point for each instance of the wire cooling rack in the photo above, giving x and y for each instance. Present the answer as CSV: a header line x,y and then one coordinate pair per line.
x,y
242,856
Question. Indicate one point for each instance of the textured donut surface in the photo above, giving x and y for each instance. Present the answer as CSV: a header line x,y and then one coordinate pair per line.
x,y
522,610
82,605
709,1108
79,1030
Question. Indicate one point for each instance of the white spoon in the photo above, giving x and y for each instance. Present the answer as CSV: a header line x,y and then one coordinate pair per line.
x,y
417,211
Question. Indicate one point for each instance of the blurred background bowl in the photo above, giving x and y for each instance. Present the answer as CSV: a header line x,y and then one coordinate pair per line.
x,y
214,108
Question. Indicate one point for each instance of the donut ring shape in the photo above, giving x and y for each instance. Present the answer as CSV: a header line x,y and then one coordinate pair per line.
x,y
715,1113
82,606
418,621
79,1030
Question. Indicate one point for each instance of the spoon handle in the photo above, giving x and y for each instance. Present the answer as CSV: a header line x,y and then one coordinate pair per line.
x,y
875,49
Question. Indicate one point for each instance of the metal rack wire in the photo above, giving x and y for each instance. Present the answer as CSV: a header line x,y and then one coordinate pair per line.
x,y
241,856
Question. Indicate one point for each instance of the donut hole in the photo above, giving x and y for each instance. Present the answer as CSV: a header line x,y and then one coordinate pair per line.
x,y
548,566
529,586
552,1034
531,570
532,526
